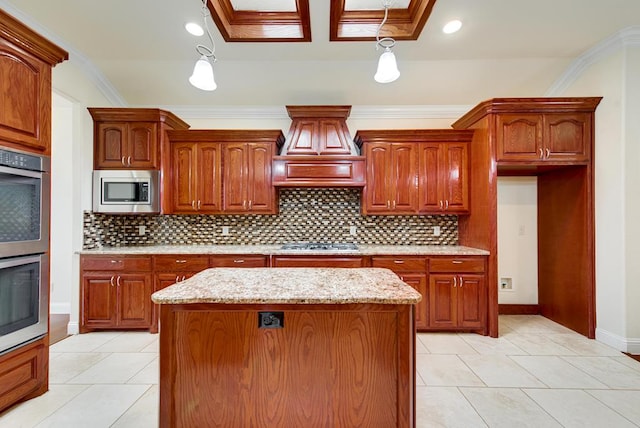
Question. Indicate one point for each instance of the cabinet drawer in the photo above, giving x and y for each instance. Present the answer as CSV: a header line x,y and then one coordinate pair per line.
x,y
238,261
456,264
177,263
311,261
116,263
400,264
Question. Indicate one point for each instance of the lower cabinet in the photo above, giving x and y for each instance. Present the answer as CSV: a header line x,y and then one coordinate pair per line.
x,y
24,373
411,270
457,294
119,298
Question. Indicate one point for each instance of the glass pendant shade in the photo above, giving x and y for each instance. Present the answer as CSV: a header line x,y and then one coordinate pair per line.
x,y
387,68
202,77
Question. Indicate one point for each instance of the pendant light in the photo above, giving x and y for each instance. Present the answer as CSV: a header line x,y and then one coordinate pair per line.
x,y
387,71
202,77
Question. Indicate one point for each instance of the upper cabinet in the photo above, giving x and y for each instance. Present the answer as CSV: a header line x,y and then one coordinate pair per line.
x,y
416,171
220,172
25,87
562,137
130,138
444,181
247,178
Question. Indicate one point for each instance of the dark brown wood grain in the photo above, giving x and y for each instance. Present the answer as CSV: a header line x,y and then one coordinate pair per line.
x,y
24,373
331,365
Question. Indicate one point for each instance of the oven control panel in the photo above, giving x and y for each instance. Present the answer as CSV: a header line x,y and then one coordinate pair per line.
x,y
20,160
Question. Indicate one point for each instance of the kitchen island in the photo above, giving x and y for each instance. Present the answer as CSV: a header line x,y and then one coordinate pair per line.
x,y
288,347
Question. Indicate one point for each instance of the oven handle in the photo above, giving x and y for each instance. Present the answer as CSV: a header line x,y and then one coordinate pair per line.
x,y
20,172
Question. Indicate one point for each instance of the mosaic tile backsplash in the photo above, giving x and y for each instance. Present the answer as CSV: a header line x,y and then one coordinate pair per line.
x,y
306,215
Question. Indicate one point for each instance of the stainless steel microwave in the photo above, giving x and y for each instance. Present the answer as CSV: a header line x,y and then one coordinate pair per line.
x,y
126,191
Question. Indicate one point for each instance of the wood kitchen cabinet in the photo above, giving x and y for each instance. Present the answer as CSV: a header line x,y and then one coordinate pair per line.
x,y
411,270
26,60
247,178
444,178
239,260
130,138
392,178
319,261
115,292
416,171
545,137
219,172
457,294
196,178
169,269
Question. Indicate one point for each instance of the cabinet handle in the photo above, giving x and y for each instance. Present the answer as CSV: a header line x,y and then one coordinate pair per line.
x,y
193,204
441,205
393,204
541,153
118,281
177,279
457,262
455,281
446,204
244,205
250,204
238,261
398,261
129,161
547,152
181,261
199,204
388,205
111,281
122,161
461,281
183,277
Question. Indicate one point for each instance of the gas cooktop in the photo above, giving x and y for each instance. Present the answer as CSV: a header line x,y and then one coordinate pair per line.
x,y
319,246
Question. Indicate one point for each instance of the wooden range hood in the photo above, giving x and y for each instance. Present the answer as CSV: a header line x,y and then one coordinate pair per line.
x,y
319,151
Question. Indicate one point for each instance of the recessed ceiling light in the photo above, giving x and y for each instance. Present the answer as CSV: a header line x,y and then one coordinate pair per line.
x,y
194,28
452,26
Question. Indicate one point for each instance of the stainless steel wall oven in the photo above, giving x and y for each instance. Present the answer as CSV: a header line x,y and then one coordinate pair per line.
x,y
25,197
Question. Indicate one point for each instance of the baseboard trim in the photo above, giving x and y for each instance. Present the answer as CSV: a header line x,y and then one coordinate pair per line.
x,y
507,309
73,328
622,344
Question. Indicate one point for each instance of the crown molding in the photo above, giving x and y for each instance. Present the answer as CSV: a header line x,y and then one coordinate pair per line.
x,y
75,56
629,36
357,112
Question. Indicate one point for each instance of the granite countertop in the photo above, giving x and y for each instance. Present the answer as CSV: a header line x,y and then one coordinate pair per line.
x,y
363,250
290,286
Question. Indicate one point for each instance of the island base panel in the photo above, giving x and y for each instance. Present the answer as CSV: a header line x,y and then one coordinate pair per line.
x,y
337,366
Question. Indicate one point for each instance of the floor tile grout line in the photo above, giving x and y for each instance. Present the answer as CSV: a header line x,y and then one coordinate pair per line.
x,y
588,391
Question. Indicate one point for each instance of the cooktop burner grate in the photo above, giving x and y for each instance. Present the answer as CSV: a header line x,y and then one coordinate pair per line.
x,y
319,246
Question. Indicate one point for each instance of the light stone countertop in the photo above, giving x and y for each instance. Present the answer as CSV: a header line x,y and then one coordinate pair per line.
x,y
363,250
290,286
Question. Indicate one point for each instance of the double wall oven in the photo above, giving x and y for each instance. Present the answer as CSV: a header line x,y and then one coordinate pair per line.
x,y
25,189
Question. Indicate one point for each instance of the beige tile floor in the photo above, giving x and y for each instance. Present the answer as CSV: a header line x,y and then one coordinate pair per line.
x,y
537,374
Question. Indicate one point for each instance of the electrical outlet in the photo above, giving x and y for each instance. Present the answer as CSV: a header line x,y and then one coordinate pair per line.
x,y
436,230
506,284
142,230
352,230
225,230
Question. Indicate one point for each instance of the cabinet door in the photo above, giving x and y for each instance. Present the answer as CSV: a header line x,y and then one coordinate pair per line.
x,y
235,178
442,301
404,182
98,301
25,99
260,192
142,150
377,198
419,282
471,298
455,177
567,137
183,177
134,300
519,137
111,145
430,189
209,178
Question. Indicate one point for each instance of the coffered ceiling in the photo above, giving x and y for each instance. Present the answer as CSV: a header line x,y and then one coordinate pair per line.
x,y
141,53
289,20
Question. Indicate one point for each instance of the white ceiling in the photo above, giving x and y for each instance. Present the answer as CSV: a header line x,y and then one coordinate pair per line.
x,y
505,48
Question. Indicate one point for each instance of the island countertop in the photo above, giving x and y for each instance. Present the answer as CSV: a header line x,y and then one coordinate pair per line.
x,y
290,286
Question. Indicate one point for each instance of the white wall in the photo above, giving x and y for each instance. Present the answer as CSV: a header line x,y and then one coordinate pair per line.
x,y
518,238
